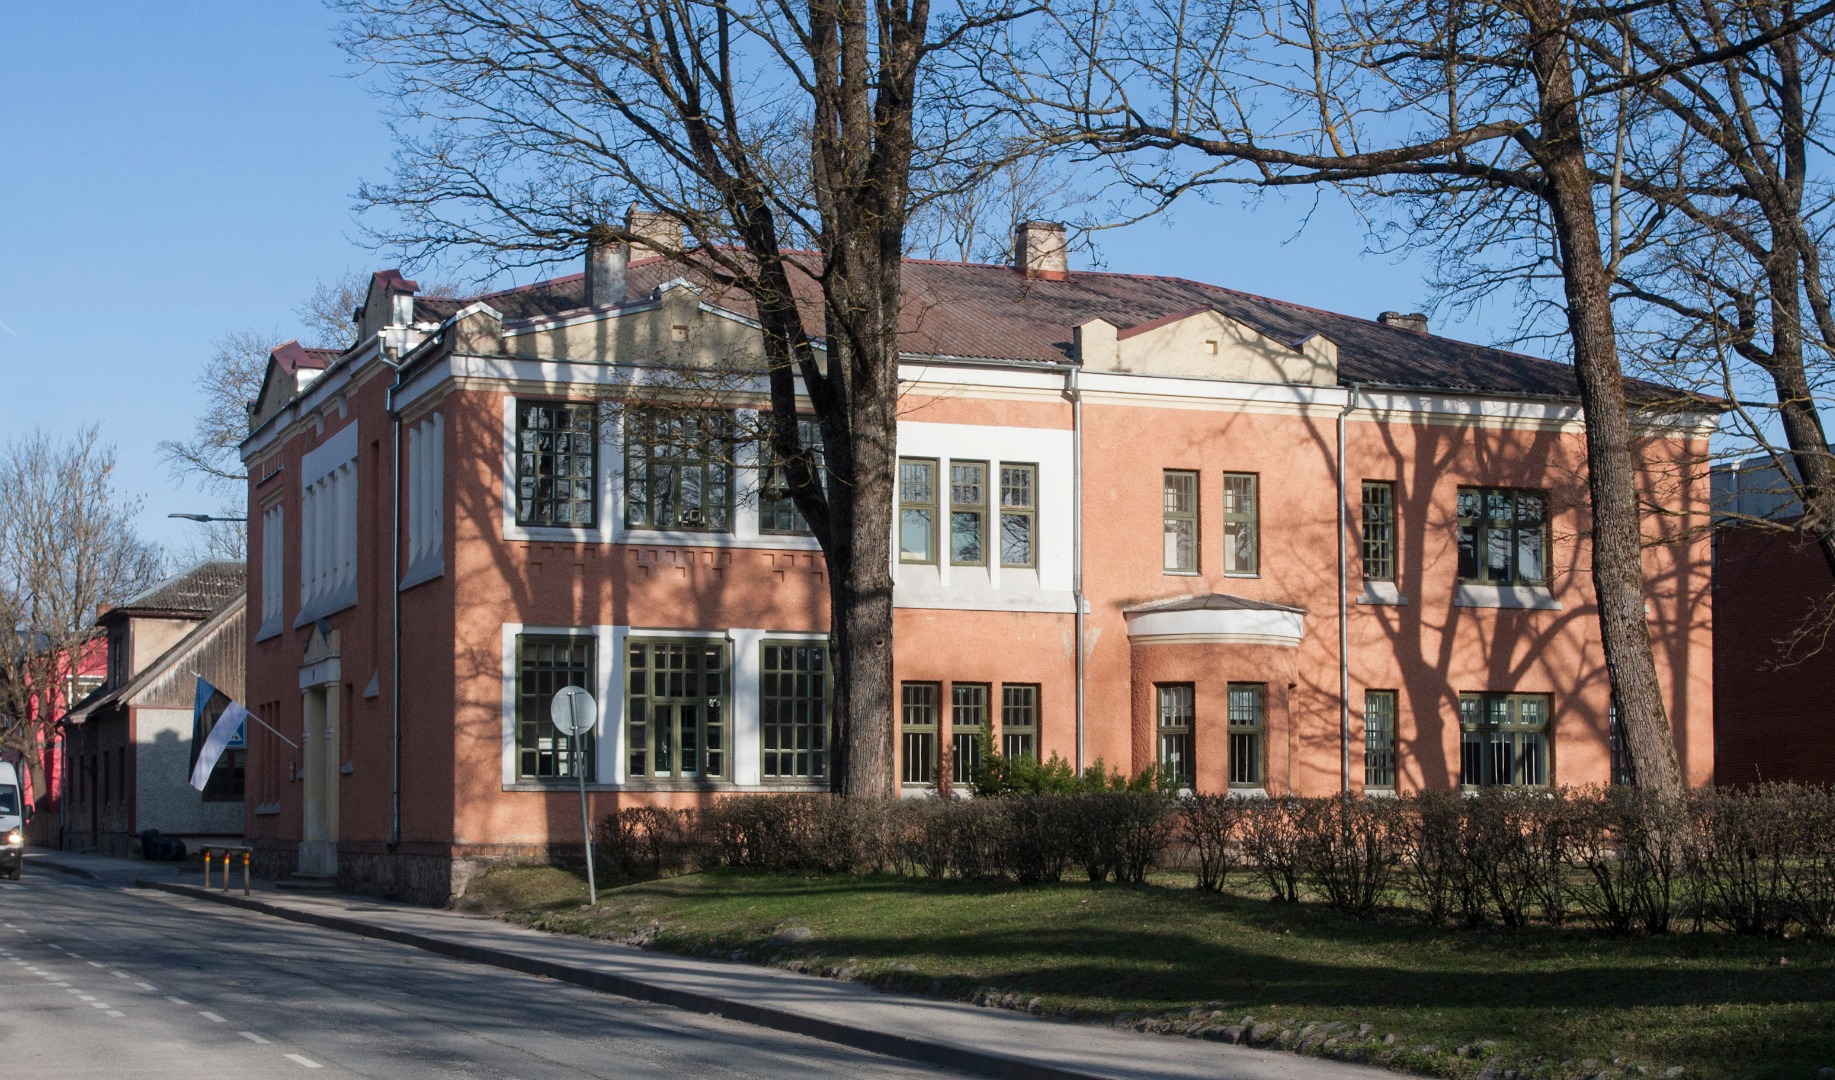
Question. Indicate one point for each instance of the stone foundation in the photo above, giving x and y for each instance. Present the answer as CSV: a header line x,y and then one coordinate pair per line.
x,y
432,875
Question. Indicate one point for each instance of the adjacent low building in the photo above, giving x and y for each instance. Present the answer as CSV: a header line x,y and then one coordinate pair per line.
x,y
1142,520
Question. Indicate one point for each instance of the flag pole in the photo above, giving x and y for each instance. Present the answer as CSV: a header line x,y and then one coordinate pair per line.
x,y
255,718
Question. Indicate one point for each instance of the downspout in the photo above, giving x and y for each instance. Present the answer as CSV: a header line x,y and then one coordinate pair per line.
x,y
1076,547
394,608
1344,614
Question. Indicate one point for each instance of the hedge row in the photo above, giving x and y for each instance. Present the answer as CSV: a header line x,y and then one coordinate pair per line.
x,y
1755,861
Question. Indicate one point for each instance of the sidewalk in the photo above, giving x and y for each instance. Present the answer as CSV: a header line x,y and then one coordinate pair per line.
x,y
991,1042
102,869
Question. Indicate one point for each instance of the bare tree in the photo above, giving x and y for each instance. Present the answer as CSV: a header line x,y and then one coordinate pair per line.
x,y
67,549
230,379
1488,124
526,126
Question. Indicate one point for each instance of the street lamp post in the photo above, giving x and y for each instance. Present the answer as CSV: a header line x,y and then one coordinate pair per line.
x,y
206,517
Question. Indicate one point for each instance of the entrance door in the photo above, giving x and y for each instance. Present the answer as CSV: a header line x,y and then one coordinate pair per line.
x,y
318,852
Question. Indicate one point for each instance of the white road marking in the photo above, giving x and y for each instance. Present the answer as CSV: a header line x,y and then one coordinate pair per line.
x,y
146,986
85,997
73,991
125,975
306,1061
212,1017
92,963
59,948
252,1037
98,1005
182,1001
71,955
10,885
116,1012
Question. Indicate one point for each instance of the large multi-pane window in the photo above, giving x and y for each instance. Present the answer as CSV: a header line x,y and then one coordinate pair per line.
x,y
918,707
273,565
1379,738
1503,739
557,463
793,710
777,512
917,510
1503,536
1379,530
1019,508
544,664
1019,720
678,470
968,513
675,709
1177,708
1622,770
968,720
1241,524
1179,494
1247,716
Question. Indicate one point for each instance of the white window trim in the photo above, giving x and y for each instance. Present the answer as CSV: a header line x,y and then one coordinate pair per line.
x,y
426,501
328,527
273,568
1473,594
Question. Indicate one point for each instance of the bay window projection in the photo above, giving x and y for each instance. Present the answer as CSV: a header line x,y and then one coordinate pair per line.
x,y
1177,712
1019,511
544,664
793,711
1503,739
917,510
675,709
1241,524
1179,494
1503,536
1247,723
557,464
426,490
678,470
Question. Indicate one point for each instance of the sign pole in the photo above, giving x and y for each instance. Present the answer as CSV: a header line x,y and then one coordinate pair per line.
x,y
586,821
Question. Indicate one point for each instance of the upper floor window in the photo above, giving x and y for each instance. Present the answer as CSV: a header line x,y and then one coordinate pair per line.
x,y
1019,508
676,709
1179,495
1503,739
917,510
1241,524
793,711
426,488
1248,708
1503,536
968,513
678,470
273,565
557,464
544,664
777,512
1379,530
328,536
1379,738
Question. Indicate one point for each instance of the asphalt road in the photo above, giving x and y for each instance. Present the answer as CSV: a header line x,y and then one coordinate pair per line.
x,y
99,982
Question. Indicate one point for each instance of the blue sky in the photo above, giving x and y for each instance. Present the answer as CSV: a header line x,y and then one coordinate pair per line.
x,y
173,171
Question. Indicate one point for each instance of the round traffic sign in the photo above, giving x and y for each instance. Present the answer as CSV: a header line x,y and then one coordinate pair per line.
x,y
573,710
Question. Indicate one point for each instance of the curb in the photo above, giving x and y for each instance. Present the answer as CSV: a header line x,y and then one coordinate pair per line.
x,y
924,1051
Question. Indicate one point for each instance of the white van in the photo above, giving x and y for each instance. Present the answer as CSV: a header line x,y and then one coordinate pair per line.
x,y
14,813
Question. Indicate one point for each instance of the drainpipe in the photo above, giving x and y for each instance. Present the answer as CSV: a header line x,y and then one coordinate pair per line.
x,y
1344,614
1076,547
394,609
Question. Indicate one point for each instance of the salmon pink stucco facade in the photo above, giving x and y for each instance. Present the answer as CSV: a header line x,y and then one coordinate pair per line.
x,y
1143,521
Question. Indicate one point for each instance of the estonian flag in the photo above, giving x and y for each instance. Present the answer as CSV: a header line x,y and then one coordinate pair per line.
x,y
216,725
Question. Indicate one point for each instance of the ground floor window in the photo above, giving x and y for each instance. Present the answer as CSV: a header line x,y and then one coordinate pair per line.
x,y
544,664
918,707
225,783
1503,739
1019,721
1177,709
968,720
1247,708
793,702
1379,738
675,709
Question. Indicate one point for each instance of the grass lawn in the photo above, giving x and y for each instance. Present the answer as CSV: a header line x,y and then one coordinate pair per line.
x,y
1554,1003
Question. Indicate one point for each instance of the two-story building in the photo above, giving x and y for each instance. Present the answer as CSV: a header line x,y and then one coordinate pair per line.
x,y
1140,519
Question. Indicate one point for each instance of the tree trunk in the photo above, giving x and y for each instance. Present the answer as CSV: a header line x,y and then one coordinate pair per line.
x,y
860,635
1618,573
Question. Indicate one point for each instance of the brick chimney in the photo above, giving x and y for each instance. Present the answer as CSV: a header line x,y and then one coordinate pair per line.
x,y
606,263
1040,250
1413,320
